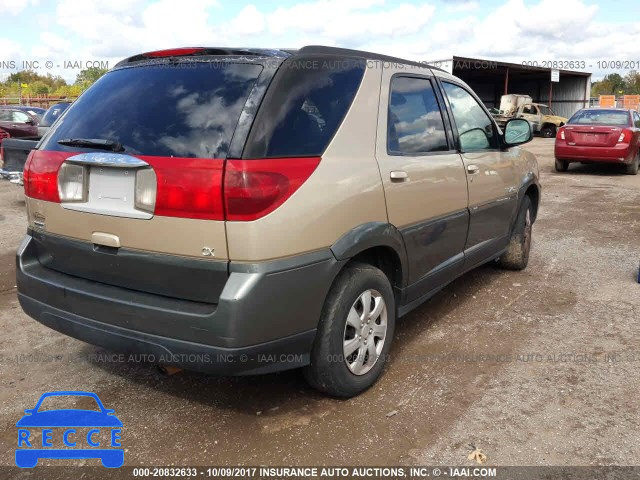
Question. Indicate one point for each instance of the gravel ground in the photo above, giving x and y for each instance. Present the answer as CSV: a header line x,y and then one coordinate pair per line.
x,y
535,368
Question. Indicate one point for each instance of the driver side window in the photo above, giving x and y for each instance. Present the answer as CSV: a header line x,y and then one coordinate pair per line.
x,y
636,119
475,128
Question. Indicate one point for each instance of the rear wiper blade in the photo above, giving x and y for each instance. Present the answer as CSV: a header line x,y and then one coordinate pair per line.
x,y
93,143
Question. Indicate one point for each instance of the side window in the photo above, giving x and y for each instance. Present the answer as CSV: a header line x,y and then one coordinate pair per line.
x,y
20,117
304,107
414,123
528,109
5,115
636,119
475,128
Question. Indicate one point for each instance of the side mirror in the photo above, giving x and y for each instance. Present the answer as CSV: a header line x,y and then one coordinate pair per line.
x,y
474,139
516,132
30,122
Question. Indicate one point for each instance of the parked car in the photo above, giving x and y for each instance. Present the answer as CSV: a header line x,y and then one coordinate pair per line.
x,y
269,209
51,116
595,135
15,152
18,123
33,111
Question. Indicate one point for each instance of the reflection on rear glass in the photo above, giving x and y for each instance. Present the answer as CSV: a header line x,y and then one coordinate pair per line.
x,y
600,117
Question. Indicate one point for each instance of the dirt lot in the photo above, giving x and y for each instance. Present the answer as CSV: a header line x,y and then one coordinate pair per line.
x,y
536,367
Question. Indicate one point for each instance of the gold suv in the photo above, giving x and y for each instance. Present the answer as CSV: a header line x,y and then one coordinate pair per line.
x,y
245,211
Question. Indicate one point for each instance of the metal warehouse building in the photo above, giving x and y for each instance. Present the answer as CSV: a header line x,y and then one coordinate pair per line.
x,y
491,79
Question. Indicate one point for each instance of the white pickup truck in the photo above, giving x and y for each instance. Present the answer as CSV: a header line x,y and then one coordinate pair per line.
x,y
541,118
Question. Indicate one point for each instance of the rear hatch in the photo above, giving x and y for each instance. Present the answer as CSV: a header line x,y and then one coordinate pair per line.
x,y
126,188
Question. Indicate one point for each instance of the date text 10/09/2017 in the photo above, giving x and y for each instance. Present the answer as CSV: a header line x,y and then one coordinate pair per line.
x,y
583,64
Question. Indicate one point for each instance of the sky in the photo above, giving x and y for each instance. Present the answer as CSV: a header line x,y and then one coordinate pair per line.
x,y
81,31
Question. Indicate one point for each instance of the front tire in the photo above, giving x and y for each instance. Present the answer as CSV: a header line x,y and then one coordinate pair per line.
x,y
632,168
562,165
517,255
354,334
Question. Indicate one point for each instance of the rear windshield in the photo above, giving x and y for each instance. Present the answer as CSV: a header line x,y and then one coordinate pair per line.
x,y
52,114
600,117
304,106
180,110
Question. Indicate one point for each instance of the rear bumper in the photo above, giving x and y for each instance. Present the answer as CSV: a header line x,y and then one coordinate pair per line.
x,y
264,321
621,153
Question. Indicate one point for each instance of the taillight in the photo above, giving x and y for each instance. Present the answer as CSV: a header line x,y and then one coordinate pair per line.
x,y
41,175
181,187
186,187
625,136
255,188
561,133
173,52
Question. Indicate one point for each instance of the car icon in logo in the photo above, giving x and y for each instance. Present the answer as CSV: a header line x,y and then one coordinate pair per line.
x,y
74,429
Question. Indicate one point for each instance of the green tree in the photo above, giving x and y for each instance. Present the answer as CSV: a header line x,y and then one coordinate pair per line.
x,y
39,88
632,82
68,91
617,82
24,76
37,84
88,76
612,84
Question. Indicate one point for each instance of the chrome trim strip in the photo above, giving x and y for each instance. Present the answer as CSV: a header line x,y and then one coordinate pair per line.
x,y
107,159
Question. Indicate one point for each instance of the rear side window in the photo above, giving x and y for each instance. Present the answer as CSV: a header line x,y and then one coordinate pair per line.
x,y
415,122
181,110
636,120
304,107
52,114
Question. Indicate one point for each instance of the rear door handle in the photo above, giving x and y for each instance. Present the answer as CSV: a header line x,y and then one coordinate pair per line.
x,y
399,176
472,169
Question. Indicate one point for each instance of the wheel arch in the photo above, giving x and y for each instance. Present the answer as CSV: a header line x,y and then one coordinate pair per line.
x,y
533,192
528,188
379,244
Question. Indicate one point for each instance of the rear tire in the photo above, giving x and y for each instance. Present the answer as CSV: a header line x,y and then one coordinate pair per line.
x,y
632,168
517,255
353,339
562,165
